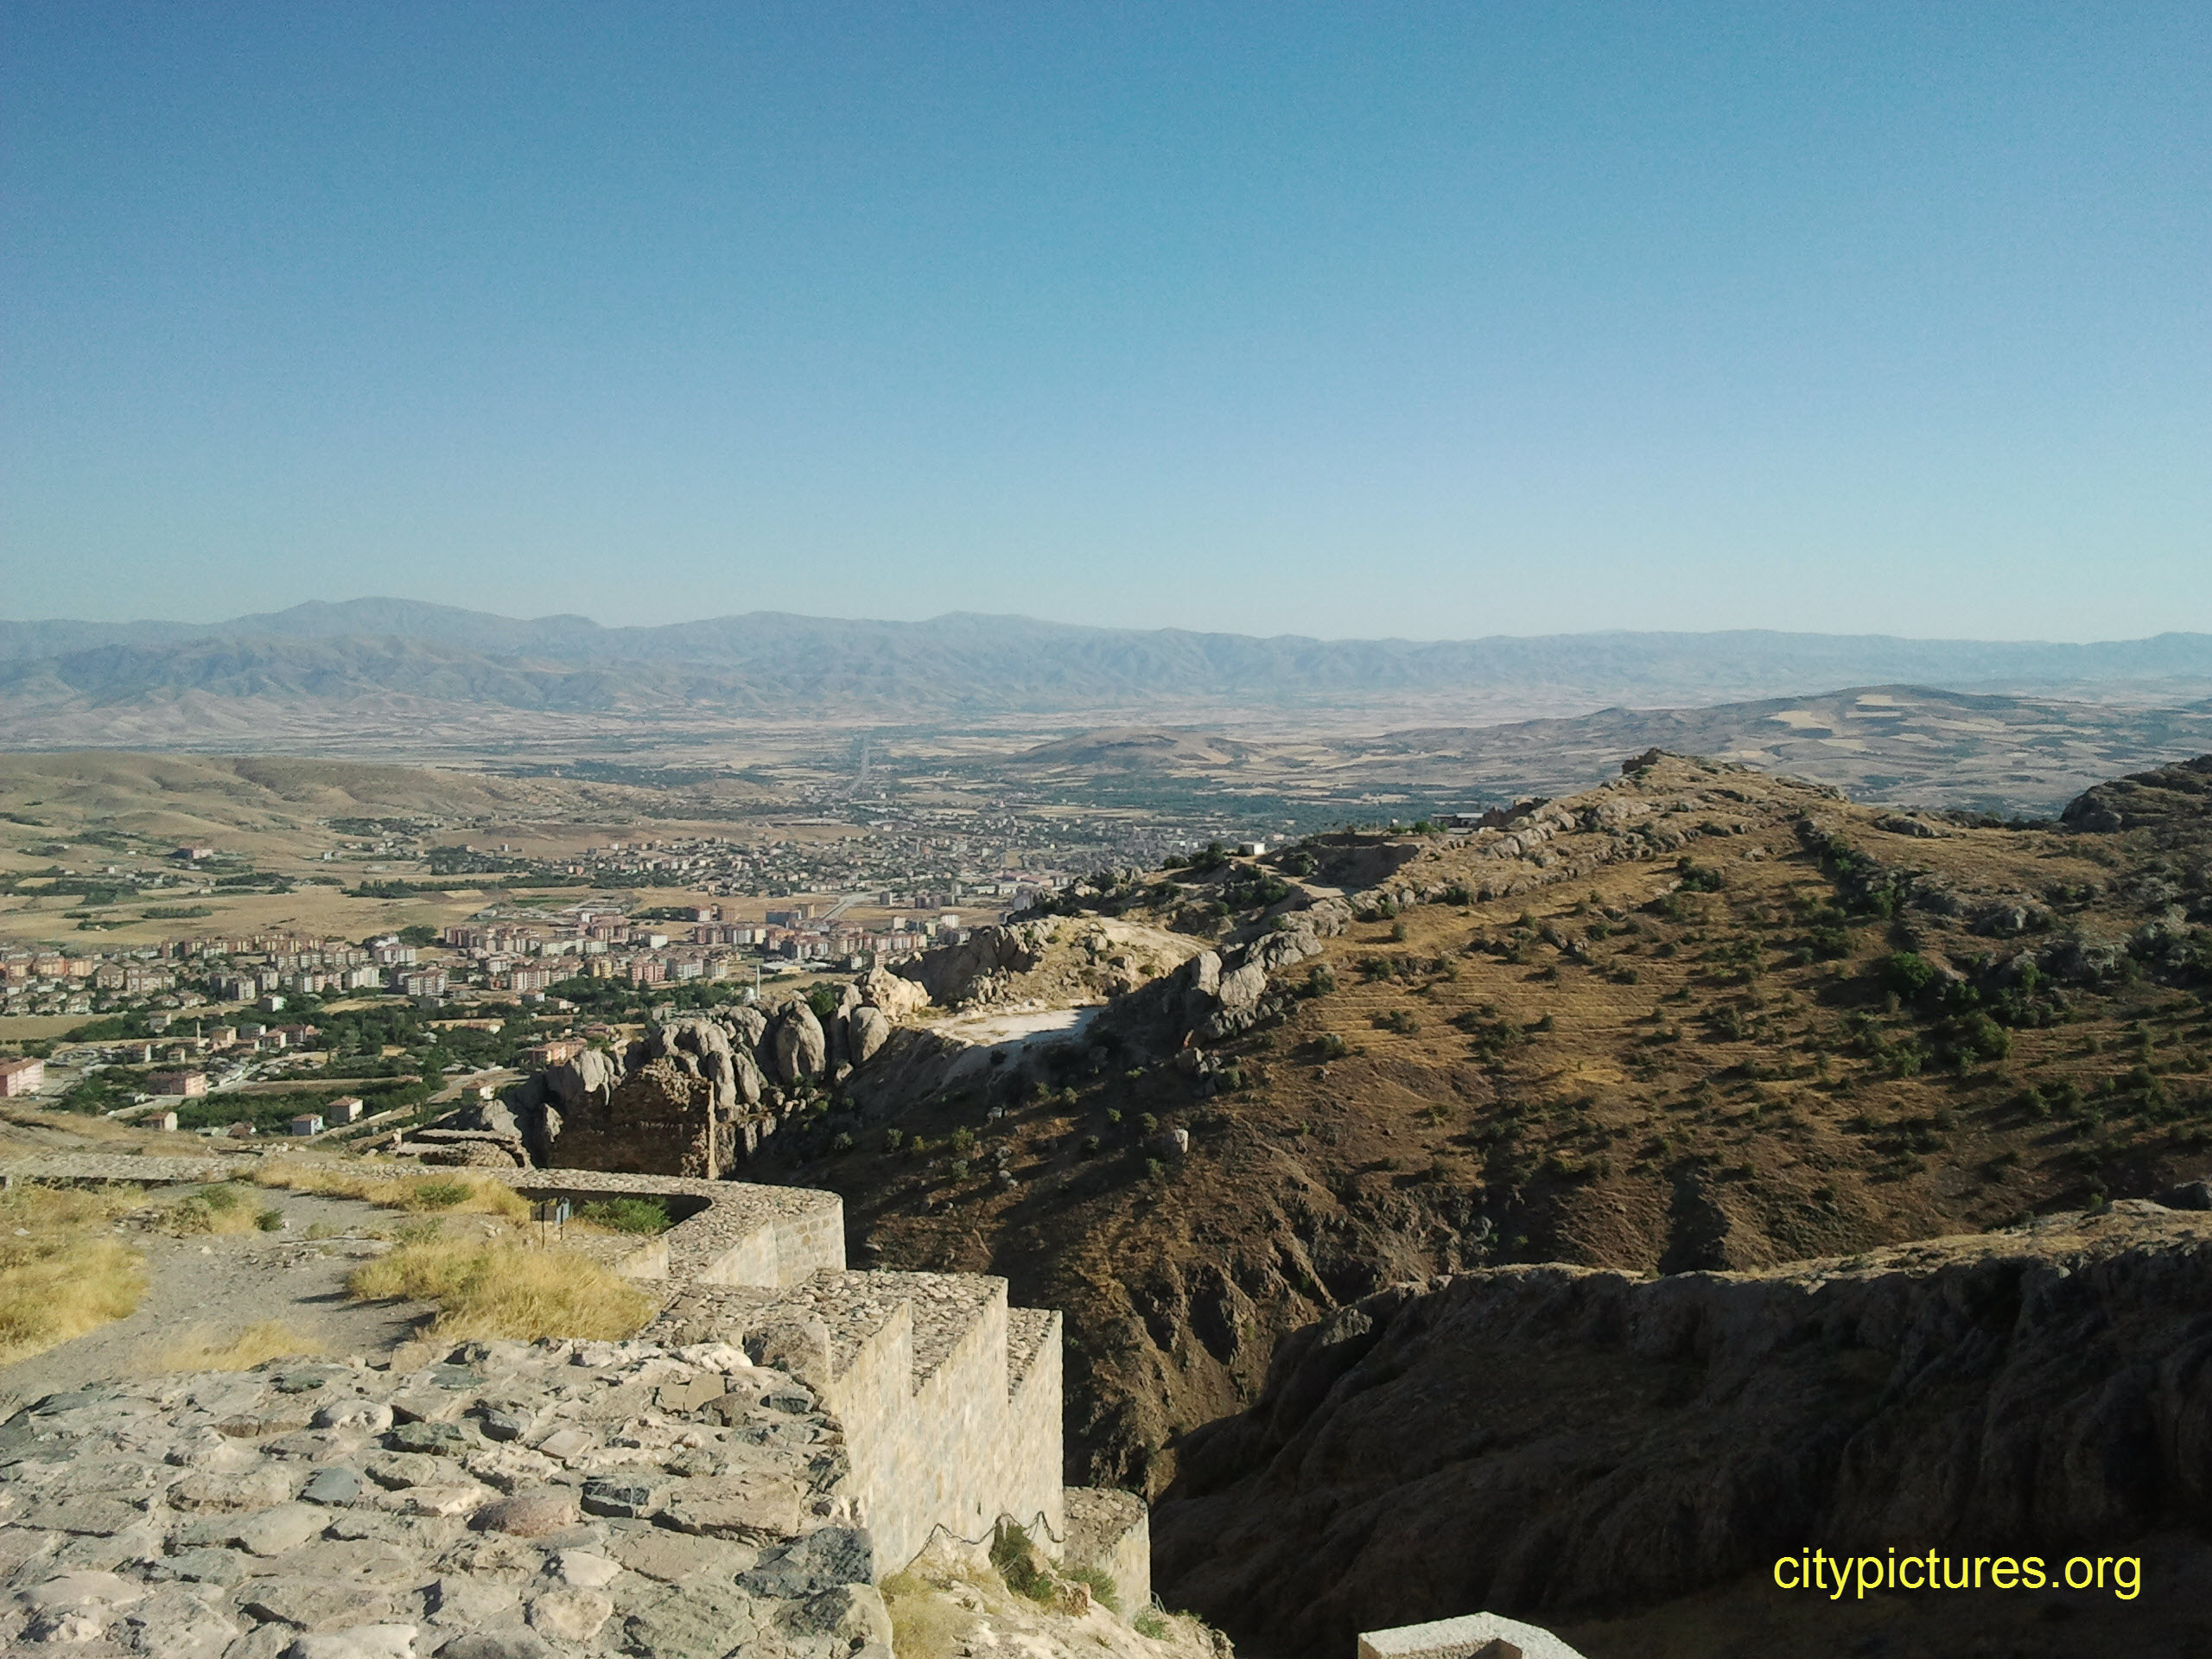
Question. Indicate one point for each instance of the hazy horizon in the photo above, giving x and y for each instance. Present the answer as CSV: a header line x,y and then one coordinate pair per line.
x,y
215,620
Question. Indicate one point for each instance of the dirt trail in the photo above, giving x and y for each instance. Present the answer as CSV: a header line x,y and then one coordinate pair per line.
x,y
220,1287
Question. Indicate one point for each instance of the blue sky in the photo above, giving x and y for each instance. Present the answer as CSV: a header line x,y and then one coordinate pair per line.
x,y
1339,320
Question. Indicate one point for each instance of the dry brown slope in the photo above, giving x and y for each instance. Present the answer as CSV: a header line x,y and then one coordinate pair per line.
x,y
1596,1064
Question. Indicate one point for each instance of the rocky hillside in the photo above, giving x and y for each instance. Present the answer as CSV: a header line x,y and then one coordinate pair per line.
x,y
1569,1442
1700,1017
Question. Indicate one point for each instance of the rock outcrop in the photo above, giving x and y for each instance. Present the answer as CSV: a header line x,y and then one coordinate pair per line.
x,y
957,974
1218,993
897,996
2181,793
1554,1440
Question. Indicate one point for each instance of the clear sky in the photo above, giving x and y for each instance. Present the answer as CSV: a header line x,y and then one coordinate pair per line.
x,y
1350,319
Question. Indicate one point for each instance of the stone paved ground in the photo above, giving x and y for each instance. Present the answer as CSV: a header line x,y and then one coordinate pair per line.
x,y
510,1501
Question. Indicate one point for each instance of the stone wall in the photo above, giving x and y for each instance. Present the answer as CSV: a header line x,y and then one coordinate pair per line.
x,y
950,1400
947,1399
1107,1530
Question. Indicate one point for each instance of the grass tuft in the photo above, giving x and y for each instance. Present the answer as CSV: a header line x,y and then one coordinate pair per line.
x,y
454,1194
644,1216
222,1210
61,1273
202,1349
505,1290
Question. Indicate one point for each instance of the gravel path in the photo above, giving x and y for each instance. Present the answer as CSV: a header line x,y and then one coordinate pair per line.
x,y
218,1286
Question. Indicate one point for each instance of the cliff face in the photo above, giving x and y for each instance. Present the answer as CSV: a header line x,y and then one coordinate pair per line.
x,y
1556,1442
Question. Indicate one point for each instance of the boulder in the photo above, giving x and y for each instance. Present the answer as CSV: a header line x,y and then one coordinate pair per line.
x,y
867,1030
900,998
1238,991
801,1047
749,1081
748,1028
592,1073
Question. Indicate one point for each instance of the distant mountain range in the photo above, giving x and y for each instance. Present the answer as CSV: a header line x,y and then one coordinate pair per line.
x,y
400,665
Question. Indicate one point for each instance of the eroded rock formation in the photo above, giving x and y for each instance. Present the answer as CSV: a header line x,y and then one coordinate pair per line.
x,y
1556,1441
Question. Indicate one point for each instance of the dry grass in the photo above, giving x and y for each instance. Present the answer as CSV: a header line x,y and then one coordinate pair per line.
x,y
926,1622
221,1210
202,1349
501,1289
27,1131
455,1192
61,1273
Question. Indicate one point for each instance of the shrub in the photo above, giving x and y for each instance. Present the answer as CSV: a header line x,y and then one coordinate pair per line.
x,y
1827,943
1016,1559
1331,1046
1906,975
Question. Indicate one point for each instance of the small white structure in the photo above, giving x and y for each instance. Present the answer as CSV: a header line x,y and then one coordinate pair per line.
x,y
347,1109
164,1120
308,1123
1473,1636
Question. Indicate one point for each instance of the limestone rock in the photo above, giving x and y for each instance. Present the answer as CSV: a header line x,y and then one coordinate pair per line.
x,y
801,1048
592,1073
867,1030
749,1028
897,996
362,1641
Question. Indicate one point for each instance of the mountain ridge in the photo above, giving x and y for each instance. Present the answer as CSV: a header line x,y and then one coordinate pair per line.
x,y
965,664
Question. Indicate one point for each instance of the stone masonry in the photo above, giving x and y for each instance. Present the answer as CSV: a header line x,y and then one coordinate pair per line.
x,y
930,1404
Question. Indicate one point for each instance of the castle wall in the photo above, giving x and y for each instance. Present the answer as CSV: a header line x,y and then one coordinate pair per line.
x,y
950,1400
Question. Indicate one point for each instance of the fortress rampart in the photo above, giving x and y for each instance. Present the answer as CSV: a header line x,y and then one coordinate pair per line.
x,y
948,1398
